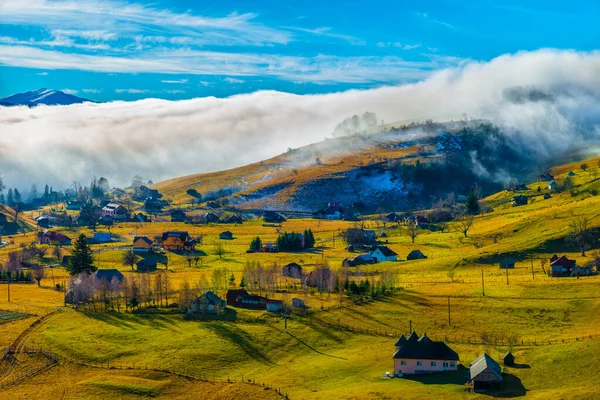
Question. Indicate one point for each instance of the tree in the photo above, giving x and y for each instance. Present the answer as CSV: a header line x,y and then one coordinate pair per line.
x,y
33,191
2,187
129,258
18,198
82,259
243,283
38,273
464,224
219,249
57,253
472,203
232,280
569,185
10,200
584,167
256,244
580,233
412,230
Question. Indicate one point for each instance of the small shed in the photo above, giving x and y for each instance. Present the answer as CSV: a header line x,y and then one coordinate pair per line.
x,y
146,265
298,303
547,196
571,173
416,255
509,359
275,305
507,263
227,235
484,372
351,248
519,200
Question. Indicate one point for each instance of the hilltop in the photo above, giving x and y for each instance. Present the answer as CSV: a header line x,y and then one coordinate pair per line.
x,y
42,96
400,168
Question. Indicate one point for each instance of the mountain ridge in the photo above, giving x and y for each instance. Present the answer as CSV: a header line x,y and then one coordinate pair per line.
x,y
43,96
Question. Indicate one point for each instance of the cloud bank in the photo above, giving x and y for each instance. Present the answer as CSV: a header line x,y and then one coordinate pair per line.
x,y
547,100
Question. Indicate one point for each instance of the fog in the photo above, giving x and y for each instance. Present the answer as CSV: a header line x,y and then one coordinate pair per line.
x,y
547,100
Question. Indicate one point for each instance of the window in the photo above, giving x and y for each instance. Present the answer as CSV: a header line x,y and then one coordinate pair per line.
x,y
402,362
419,363
445,364
433,364
452,364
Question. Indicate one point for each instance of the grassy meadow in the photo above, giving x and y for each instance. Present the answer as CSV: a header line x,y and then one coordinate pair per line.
x,y
318,357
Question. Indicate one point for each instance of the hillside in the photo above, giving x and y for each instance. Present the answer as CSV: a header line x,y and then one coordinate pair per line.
x,y
24,224
400,168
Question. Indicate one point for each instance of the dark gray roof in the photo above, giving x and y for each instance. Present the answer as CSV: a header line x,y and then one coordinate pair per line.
x,y
108,275
482,363
385,250
401,341
144,238
425,349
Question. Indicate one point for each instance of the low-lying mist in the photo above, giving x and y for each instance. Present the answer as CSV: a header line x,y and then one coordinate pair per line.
x,y
547,101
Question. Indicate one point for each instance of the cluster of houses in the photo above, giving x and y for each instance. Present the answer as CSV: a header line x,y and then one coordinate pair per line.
x,y
416,355
381,253
170,240
559,266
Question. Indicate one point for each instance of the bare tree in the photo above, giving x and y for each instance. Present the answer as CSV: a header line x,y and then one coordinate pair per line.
x,y
412,230
219,249
129,258
38,273
580,233
464,224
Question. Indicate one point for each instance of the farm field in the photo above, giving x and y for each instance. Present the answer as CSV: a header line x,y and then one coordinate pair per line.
x,y
340,349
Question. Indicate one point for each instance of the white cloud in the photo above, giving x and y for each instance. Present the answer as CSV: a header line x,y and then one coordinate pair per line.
x,y
42,73
399,45
318,69
174,91
131,91
70,91
175,81
328,32
94,91
79,140
233,80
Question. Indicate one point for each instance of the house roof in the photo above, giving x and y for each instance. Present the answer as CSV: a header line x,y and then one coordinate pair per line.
x,y
144,238
425,349
563,261
508,354
416,254
386,251
108,275
482,363
211,297
401,340
112,206
55,236
183,236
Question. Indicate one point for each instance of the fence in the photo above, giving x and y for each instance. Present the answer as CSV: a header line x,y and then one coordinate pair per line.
x,y
51,360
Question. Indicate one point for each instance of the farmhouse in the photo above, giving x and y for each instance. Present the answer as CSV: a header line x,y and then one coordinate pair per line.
x,y
227,235
108,275
383,253
273,217
53,238
333,211
507,263
116,211
484,372
519,200
275,305
208,303
546,177
416,255
552,185
210,218
292,270
393,217
177,241
561,266
241,298
422,355
142,244
233,219
146,265
178,216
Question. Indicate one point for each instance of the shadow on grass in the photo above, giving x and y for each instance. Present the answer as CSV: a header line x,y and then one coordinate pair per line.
x,y
155,321
229,315
313,349
510,387
520,366
240,338
458,377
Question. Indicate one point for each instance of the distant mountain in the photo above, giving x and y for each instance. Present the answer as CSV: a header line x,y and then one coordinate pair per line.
x,y
47,97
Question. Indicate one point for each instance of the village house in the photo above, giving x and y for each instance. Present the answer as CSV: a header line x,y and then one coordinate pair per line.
x,y
581,271
519,200
416,255
298,303
552,185
178,216
74,205
178,241
142,244
227,235
233,219
210,218
242,299
269,248
108,275
361,259
484,373
333,211
115,211
53,238
507,263
383,253
273,217
101,237
208,303
393,217
146,265
422,355
561,266
292,270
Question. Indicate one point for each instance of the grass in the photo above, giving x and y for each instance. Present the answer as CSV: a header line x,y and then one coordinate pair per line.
x,y
316,359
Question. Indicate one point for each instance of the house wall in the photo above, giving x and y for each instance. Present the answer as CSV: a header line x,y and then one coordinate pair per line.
x,y
377,254
411,367
172,243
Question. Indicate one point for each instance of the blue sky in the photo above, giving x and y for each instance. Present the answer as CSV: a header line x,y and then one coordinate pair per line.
x,y
127,50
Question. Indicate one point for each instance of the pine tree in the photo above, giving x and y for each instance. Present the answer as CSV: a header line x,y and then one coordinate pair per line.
x,y
243,282
46,191
17,194
9,198
472,203
232,280
82,259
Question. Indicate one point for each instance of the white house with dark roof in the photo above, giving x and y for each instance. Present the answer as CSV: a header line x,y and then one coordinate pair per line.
x,y
383,253
420,355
